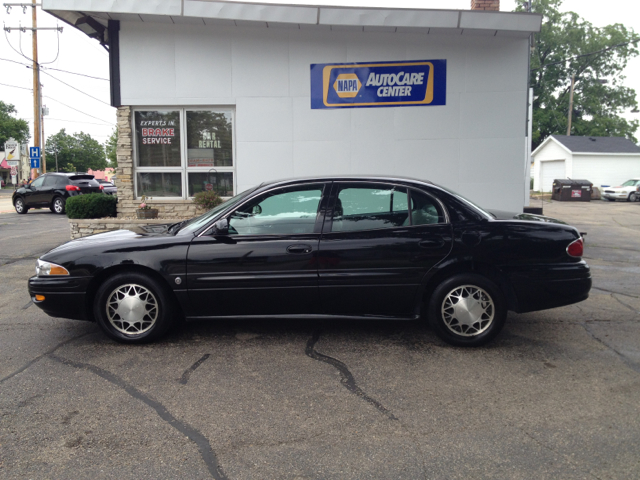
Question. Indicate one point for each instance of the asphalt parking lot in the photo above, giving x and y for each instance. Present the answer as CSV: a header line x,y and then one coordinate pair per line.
x,y
556,396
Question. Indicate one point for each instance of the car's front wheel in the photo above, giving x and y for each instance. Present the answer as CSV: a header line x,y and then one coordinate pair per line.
x,y
58,205
20,207
467,310
133,308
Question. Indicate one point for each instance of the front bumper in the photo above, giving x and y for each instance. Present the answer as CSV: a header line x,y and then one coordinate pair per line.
x,y
550,286
616,196
65,297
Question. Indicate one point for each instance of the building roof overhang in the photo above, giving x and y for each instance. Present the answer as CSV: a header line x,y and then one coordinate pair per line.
x,y
221,12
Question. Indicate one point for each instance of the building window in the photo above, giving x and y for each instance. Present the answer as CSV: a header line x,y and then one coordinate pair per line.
x,y
182,151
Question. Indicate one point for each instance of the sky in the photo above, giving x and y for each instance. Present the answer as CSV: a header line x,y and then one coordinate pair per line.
x,y
89,112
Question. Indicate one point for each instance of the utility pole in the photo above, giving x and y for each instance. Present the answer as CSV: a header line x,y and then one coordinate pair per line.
x,y
38,135
573,80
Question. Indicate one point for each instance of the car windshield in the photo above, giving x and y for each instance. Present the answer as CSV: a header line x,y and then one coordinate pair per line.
x,y
191,226
469,203
631,183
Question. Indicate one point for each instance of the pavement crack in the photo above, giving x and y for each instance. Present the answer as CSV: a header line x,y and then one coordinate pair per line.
x,y
206,452
187,373
18,259
39,357
347,378
611,291
623,357
624,304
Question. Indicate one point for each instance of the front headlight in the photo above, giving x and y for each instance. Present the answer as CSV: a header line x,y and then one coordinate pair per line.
x,y
47,268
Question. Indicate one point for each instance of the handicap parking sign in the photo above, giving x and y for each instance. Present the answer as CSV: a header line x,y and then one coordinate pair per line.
x,y
34,152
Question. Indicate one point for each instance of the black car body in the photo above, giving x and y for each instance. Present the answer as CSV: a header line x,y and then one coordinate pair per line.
x,y
52,190
366,248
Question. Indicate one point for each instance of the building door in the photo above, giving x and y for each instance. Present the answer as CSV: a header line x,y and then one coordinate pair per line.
x,y
549,171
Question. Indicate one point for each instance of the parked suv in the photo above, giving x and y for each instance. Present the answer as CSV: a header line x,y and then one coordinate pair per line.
x,y
52,190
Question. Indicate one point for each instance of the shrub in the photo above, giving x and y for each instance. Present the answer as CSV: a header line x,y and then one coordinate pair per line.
x,y
93,205
207,199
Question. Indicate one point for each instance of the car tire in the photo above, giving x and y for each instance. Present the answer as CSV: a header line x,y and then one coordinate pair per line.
x,y
631,197
20,207
477,320
133,308
57,206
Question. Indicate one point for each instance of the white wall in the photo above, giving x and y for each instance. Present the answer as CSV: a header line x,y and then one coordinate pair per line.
x,y
550,152
473,144
609,170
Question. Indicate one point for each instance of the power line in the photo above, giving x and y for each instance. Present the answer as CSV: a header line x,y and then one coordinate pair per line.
x,y
15,86
72,121
57,69
76,89
80,111
587,54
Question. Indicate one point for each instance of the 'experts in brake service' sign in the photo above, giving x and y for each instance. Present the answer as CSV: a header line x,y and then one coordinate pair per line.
x,y
378,84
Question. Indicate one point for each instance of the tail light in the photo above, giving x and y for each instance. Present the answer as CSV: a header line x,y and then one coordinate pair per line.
x,y
72,188
576,248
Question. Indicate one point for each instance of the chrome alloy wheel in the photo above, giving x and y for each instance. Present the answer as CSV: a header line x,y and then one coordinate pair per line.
x,y
132,309
57,205
468,310
19,205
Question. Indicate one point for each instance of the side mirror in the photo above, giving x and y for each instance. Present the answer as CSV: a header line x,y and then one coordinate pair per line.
x,y
257,210
221,227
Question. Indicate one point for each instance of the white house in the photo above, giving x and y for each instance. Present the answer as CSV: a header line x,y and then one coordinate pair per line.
x,y
601,160
226,95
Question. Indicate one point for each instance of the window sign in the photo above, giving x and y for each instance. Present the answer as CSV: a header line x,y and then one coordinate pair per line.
x,y
158,138
219,182
209,139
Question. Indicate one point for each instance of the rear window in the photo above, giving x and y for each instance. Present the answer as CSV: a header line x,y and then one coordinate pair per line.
x,y
81,177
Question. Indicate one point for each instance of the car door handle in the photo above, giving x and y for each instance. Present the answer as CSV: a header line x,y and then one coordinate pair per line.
x,y
432,243
299,249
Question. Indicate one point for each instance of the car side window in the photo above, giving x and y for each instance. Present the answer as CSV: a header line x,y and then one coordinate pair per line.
x,y
38,182
369,207
284,211
424,209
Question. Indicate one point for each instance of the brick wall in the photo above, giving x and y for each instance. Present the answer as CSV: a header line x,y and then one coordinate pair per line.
x,y
485,5
127,203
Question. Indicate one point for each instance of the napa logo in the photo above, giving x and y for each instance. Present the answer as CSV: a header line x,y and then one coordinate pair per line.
x,y
379,84
347,85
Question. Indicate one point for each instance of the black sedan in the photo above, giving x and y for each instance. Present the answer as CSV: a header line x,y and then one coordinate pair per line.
x,y
351,248
52,190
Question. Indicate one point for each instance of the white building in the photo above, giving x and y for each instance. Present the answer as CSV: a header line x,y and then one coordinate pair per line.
x,y
601,160
231,85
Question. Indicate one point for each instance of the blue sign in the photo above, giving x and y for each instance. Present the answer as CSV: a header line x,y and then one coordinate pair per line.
x,y
378,84
34,152
35,162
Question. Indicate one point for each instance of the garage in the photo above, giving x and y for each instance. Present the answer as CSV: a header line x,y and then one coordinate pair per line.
x,y
550,171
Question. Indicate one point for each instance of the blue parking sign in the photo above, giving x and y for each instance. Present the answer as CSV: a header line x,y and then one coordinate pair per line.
x,y
34,152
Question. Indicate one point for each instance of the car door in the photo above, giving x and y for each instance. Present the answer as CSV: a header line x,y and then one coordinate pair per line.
x,y
377,244
267,264
32,192
46,192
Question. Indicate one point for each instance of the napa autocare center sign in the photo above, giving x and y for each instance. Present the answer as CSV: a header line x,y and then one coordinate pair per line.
x,y
378,84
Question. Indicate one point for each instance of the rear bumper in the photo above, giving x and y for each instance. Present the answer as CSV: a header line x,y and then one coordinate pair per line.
x,y
550,286
65,297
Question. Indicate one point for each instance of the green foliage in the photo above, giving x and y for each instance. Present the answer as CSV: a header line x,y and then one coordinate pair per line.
x,y
93,205
596,106
11,126
110,147
207,199
76,153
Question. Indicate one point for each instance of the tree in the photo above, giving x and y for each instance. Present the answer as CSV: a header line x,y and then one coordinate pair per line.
x,y
75,153
110,147
11,126
569,45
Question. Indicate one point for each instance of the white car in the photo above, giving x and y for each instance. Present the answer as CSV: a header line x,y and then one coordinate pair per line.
x,y
629,190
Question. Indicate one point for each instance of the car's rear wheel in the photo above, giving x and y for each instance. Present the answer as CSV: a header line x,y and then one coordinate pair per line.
x,y
133,308
58,205
20,207
467,310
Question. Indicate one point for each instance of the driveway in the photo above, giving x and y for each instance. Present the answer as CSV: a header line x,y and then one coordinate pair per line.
x,y
556,396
